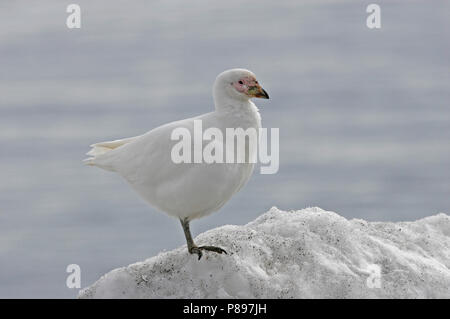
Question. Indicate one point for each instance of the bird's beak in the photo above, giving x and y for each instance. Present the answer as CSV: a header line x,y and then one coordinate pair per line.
x,y
258,91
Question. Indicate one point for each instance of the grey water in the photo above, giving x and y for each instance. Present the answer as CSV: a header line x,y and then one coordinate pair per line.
x,y
363,115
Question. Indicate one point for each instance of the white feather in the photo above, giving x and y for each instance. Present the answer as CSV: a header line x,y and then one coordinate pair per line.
x,y
182,190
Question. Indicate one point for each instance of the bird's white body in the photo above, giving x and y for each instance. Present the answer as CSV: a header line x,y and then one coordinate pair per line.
x,y
183,190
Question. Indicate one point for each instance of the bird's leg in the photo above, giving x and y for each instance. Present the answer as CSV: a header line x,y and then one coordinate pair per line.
x,y
192,247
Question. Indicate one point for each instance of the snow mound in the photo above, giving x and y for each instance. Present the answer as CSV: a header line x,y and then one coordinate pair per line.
x,y
310,253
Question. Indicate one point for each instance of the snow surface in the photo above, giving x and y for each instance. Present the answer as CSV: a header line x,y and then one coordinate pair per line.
x,y
310,253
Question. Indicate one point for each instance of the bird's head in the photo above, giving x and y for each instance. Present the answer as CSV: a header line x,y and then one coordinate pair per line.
x,y
238,84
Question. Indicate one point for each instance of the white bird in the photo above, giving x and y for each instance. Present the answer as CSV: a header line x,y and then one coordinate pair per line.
x,y
187,190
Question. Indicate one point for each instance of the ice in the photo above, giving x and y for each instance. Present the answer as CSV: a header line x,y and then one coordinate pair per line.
x,y
309,253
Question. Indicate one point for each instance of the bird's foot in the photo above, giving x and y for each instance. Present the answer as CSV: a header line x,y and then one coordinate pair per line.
x,y
198,250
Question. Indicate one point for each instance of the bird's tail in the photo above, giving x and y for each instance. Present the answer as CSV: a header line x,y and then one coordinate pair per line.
x,y
100,149
95,151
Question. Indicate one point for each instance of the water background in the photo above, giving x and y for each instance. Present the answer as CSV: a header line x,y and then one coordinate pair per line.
x,y
363,114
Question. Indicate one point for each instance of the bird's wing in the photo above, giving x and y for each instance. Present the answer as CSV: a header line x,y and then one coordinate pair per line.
x,y
126,156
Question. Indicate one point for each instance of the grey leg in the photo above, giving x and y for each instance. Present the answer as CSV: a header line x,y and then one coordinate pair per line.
x,y
192,248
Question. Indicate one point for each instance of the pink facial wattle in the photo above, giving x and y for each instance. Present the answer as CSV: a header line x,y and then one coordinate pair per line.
x,y
244,84
250,87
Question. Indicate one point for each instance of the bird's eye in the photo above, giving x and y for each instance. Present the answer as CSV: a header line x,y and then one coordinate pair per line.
x,y
256,82
240,82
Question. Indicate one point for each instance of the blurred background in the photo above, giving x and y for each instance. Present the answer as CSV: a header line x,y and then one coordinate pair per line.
x,y
363,115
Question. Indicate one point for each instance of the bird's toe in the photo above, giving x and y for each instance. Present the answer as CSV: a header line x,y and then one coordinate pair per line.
x,y
196,250
214,249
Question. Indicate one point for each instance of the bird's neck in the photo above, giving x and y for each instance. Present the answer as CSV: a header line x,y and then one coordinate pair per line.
x,y
242,111
225,103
